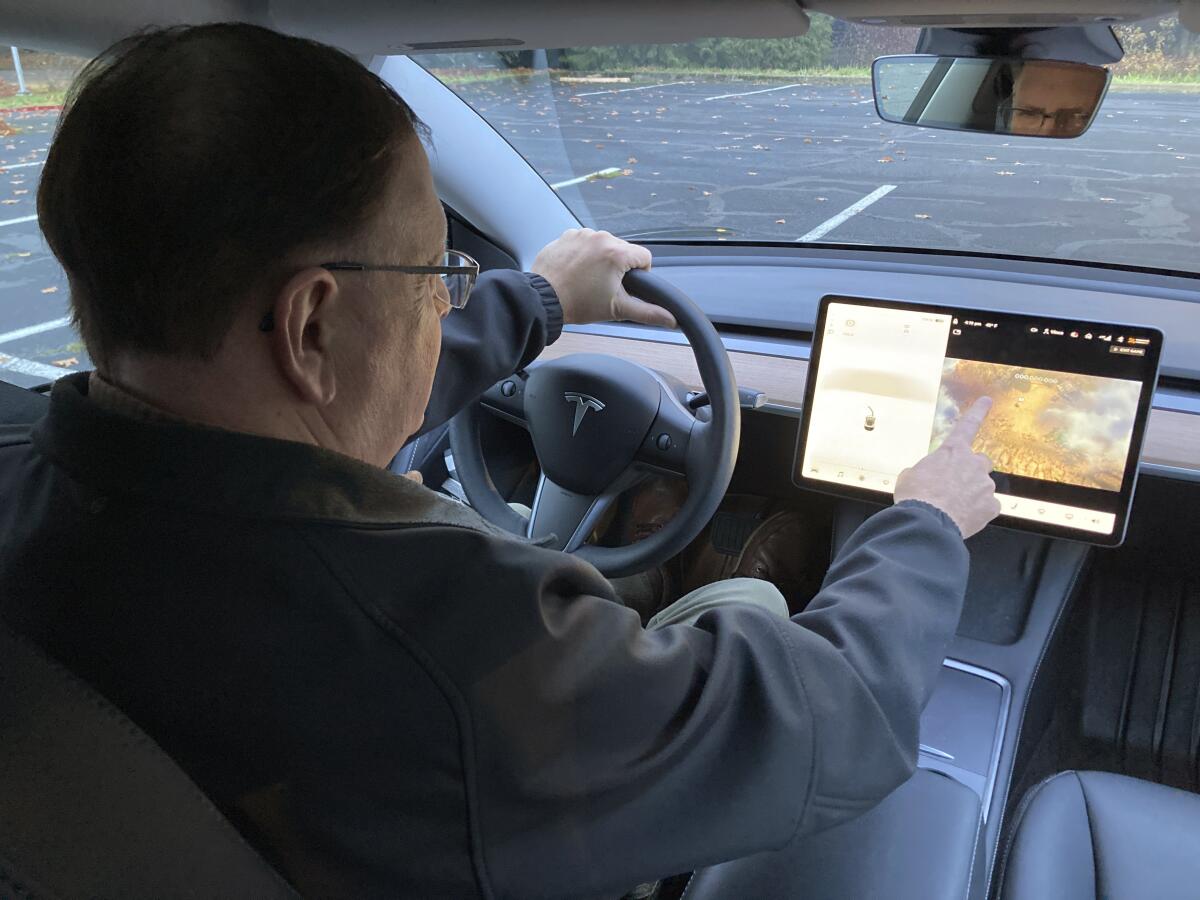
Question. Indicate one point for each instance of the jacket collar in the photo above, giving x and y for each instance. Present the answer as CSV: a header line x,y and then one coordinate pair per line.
x,y
228,472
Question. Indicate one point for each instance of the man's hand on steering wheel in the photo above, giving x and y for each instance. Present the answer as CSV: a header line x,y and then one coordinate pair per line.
x,y
600,424
585,268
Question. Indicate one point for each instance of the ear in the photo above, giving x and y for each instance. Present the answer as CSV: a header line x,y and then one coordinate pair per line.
x,y
305,318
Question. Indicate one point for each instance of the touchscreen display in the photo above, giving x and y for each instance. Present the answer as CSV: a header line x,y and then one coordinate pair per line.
x,y
1070,400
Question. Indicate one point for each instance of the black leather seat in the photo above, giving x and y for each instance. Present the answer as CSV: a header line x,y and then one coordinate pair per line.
x,y
1092,835
918,844
91,807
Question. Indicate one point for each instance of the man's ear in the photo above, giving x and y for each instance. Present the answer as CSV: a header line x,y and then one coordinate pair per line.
x,y
305,314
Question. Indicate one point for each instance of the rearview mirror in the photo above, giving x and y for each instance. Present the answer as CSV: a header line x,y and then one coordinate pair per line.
x,y
1024,97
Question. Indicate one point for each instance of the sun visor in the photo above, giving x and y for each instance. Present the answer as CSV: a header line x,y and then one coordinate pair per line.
x,y
368,27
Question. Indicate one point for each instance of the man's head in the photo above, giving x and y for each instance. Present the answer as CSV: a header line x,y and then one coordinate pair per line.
x,y
198,179
1055,99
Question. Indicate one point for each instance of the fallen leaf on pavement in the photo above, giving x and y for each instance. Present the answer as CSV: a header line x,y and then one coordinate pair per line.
x,y
887,159
1005,172
65,363
781,221
921,216
53,289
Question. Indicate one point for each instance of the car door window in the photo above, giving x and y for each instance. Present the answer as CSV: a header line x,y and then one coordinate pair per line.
x,y
37,341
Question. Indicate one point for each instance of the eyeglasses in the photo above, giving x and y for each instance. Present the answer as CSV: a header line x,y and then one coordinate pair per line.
x,y
457,271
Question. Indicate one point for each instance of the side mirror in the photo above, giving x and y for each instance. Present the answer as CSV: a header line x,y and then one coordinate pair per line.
x,y
1023,97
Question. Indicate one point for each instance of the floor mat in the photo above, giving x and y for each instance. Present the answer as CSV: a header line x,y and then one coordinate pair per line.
x,y
1130,689
1140,695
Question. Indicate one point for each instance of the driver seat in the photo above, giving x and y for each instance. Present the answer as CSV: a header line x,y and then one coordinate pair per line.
x,y
90,806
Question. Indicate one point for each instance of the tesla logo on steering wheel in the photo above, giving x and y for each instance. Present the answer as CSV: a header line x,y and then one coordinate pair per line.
x,y
582,404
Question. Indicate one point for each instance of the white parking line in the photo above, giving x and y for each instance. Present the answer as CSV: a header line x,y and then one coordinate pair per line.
x,y
644,87
30,330
5,168
601,173
17,221
829,224
29,367
782,87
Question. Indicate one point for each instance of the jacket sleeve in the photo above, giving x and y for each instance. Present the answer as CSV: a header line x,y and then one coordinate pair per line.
x,y
511,318
605,755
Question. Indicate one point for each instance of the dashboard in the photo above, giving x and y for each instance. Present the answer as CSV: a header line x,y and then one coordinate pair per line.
x,y
1171,446
765,301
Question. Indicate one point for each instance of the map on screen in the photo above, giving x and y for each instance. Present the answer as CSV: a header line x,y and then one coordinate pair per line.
x,y
1055,426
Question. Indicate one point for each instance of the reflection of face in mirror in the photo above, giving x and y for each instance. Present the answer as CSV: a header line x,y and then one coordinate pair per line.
x,y
1053,99
995,95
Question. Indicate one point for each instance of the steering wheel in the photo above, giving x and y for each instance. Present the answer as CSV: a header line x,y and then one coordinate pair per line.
x,y
600,425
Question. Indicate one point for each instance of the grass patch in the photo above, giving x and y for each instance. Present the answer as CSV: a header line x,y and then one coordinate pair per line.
x,y
455,77
458,77
1168,81
37,98
765,74
1172,82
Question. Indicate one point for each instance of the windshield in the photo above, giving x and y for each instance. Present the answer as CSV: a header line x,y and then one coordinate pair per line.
x,y
778,140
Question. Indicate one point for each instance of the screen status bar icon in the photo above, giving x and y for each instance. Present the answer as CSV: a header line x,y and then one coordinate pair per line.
x,y
1046,331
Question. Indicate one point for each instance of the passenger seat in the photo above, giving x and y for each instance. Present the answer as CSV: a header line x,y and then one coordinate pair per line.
x,y
1098,836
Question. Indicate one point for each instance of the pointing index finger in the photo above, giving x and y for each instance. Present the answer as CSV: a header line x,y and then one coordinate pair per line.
x,y
970,422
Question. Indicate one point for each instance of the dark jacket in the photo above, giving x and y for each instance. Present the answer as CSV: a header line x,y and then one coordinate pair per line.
x,y
390,698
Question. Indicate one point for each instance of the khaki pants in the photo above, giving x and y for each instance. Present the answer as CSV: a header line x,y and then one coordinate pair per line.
x,y
690,607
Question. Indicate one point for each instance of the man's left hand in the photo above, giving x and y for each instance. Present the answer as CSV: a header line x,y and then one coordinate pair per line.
x,y
585,268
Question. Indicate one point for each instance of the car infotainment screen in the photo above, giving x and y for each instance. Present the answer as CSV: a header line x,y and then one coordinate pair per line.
x,y
1070,401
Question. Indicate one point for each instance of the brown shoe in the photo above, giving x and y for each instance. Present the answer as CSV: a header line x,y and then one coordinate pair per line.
x,y
752,537
778,552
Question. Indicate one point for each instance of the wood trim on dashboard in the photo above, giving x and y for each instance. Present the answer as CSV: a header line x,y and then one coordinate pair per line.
x,y
1172,438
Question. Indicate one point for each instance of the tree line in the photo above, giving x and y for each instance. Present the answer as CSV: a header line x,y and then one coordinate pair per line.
x,y
1158,47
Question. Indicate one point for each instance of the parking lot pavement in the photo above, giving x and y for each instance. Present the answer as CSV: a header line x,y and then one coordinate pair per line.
x,y
763,160
34,329
776,161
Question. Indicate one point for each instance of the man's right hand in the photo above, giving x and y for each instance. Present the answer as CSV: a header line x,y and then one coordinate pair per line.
x,y
953,478
585,268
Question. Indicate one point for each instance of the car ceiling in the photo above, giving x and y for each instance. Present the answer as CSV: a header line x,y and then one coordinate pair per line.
x,y
368,27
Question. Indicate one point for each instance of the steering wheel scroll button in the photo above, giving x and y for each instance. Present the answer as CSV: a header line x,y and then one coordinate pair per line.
x,y
508,388
664,442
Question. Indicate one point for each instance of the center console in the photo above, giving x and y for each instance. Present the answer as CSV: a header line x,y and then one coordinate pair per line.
x,y
937,836
1019,587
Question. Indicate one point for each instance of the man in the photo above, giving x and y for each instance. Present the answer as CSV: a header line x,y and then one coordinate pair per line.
x,y
384,694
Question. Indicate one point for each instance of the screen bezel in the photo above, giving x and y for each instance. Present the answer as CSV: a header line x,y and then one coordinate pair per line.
x,y
1132,461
